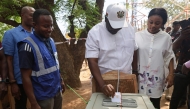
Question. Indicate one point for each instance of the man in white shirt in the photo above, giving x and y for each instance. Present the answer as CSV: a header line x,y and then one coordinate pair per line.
x,y
110,45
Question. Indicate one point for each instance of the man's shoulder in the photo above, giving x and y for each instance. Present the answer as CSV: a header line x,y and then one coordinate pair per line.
x,y
14,29
23,46
12,32
98,27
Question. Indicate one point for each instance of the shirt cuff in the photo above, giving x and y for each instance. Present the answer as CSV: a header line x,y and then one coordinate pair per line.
x,y
187,64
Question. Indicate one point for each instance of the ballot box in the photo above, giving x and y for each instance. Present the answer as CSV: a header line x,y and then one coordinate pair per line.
x,y
128,101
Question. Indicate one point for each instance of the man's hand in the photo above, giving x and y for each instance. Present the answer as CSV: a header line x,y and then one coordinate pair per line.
x,y
63,86
185,70
169,80
15,91
3,90
108,90
35,106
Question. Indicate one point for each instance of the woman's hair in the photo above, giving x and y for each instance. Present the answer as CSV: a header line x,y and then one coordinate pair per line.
x,y
161,12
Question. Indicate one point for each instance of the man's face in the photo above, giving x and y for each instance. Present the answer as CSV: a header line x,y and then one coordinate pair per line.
x,y
109,27
27,17
168,29
176,27
44,26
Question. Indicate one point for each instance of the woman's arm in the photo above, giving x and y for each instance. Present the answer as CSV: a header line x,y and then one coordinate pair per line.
x,y
170,76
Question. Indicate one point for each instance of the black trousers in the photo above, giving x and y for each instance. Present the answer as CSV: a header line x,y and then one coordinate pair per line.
x,y
181,82
21,104
178,71
156,102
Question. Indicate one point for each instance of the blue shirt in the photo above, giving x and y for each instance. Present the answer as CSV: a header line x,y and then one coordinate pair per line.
x,y
10,40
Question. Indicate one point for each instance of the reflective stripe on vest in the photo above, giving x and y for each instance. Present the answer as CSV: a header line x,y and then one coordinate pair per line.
x,y
42,70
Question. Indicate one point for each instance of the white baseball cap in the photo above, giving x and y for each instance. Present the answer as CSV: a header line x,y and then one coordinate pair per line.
x,y
116,14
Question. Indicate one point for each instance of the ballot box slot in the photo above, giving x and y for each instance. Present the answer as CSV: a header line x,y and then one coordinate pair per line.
x,y
124,103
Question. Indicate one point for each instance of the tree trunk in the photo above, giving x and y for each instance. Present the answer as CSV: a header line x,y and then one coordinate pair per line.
x,y
100,5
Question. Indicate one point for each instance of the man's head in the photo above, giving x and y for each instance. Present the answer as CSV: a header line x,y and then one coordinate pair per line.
x,y
26,16
168,29
115,17
176,25
43,23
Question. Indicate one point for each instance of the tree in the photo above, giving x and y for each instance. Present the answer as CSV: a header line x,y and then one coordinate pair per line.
x,y
82,13
3,28
175,8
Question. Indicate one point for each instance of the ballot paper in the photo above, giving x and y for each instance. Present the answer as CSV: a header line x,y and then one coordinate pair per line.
x,y
116,98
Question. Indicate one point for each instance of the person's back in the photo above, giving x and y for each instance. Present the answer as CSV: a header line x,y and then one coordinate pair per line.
x,y
10,40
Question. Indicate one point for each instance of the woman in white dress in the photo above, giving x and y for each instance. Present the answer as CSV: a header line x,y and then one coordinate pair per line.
x,y
155,57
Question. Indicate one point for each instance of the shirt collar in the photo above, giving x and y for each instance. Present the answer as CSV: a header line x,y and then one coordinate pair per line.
x,y
159,33
22,29
41,38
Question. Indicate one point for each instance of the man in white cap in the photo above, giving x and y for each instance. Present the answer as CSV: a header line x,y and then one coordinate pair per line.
x,y
110,45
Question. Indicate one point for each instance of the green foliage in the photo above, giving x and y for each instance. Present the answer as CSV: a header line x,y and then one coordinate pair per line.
x,y
173,7
82,17
10,9
85,12
78,31
3,28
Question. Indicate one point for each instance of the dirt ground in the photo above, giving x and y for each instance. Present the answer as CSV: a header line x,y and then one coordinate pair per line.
x,y
72,101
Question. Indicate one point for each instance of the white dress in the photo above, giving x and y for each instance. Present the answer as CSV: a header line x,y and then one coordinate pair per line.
x,y
154,54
